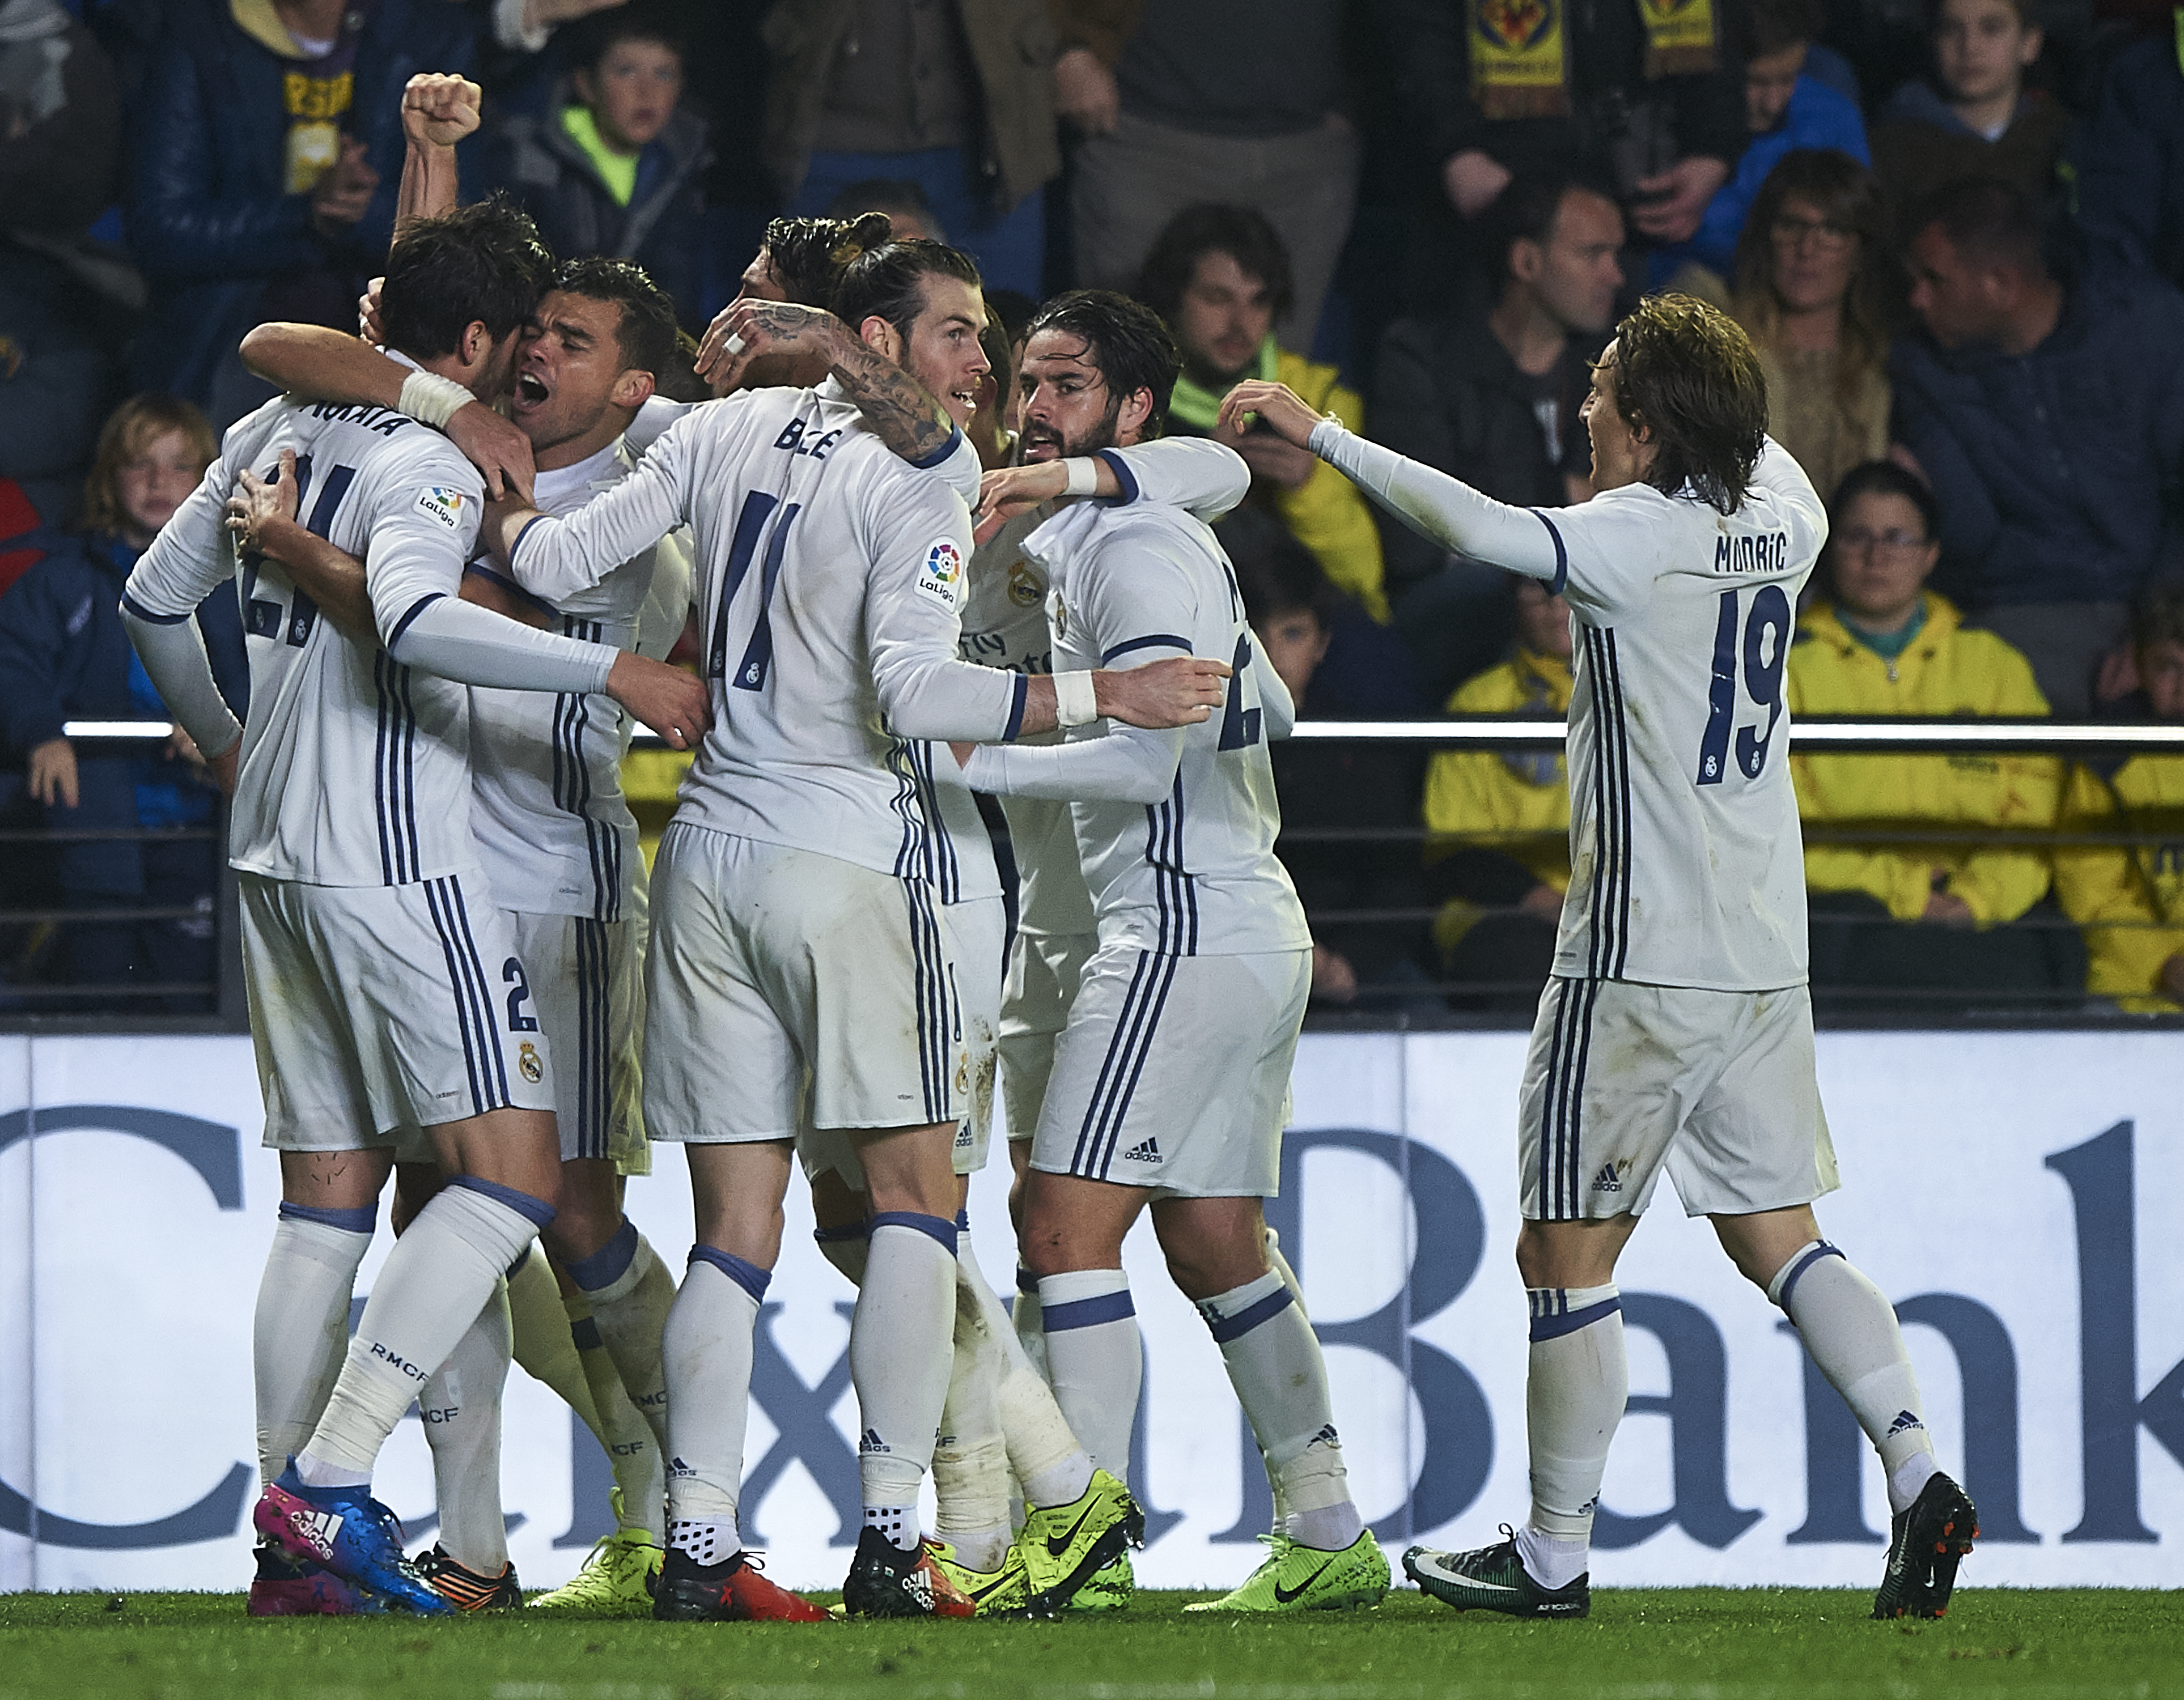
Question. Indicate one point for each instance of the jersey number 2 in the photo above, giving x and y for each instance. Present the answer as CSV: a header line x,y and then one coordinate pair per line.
x,y
1239,725
1770,616
263,619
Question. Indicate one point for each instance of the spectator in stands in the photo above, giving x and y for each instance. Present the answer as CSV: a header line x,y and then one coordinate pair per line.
x,y
1317,644
615,164
957,95
1785,110
1890,919
266,148
1498,849
2128,162
1648,99
1974,118
1809,294
1220,276
1493,400
2129,898
1183,101
2048,414
65,656
60,121
909,211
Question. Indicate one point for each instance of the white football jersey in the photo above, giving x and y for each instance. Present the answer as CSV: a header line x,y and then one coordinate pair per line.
x,y
356,769
832,575
546,805
1686,864
1194,874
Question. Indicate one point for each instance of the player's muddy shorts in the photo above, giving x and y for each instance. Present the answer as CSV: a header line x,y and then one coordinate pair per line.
x,y
380,1008
1719,1088
587,990
1044,971
1173,1072
786,990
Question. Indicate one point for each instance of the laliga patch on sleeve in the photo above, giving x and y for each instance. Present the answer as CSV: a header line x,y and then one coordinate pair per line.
x,y
443,504
941,576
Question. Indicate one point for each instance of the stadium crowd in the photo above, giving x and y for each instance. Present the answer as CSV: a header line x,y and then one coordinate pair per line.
x,y
1955,239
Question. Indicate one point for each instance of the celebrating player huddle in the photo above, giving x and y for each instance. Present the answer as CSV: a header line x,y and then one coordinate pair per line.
x,y
445,914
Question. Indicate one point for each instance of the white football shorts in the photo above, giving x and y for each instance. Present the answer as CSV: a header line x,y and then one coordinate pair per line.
x,y
1045,970
1173,1072
786,990
587,988
1717,1088
379,1007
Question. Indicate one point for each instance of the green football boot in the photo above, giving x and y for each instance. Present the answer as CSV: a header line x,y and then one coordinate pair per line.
x,y
1005,1592
1109,1589
1063,1545
1306,1579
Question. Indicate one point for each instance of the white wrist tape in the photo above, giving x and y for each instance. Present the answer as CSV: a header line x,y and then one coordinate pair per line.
x,y
432,399
1075,702
1083,479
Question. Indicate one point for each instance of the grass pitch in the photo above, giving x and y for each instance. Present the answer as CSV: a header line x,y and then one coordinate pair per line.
x,y
1664,1644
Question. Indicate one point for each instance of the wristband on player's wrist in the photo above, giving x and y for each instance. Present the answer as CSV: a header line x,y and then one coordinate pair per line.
x,y
1083,475
432,399
1076,702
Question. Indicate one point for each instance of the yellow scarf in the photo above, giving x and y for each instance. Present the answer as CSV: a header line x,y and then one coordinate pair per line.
x,y
1520,52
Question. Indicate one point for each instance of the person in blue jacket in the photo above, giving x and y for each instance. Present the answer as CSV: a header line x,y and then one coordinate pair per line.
x,y
265,148
1787,105
2128,162
65,656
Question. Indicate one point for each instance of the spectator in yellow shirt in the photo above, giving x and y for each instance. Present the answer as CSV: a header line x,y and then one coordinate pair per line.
x,y
1893,915
1220,276
1497,823
2129,898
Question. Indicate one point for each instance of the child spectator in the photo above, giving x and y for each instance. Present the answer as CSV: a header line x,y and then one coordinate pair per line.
x,y
65,656
2129,898
1809,294
1891,918
615,164
1497,821
1785,109
1975,117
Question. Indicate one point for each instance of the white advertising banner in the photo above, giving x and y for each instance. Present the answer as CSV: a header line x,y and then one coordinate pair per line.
x,y
2013,1193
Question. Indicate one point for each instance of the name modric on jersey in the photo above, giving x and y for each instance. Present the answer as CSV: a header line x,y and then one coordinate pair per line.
x,y
1767,551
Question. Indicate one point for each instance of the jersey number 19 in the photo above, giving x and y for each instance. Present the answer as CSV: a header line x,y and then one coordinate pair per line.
x,y
1764,648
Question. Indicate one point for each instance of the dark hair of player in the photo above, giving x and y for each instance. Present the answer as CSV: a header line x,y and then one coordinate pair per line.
x,y
1525,211
2157,615
889,282
482,263
641,22
646,333
1125,341
1990,224
1686,372
1240,232
810,255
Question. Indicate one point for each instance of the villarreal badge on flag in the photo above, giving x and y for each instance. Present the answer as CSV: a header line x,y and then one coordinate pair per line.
x,y
1518,58
528,1063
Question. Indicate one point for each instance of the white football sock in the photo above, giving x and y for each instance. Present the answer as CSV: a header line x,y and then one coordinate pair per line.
x,y
634,1450
708,1351
630,1291
434,1283
1281,1378
460,1406
970,1460
845,1248
1281,1265
900,1360
1043,1454
302,1323
1028,1319
1095,1359
1576,1380
1850,1328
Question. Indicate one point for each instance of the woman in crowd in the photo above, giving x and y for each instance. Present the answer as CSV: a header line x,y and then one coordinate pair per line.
x,y
1808,295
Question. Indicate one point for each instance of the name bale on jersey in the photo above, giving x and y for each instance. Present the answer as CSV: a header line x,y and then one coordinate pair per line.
x,y
941,576
1763,552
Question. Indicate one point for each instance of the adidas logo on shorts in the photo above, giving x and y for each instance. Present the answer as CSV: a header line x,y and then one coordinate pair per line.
x,y
1607,1181
1148,1151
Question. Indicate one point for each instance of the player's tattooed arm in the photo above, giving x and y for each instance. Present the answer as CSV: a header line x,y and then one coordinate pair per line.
x,y
899,410
262,517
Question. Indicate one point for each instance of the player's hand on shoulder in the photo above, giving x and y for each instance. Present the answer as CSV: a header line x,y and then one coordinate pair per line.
x,y
1179,692
1280,408
438,109
1009,491
257,510
497,447
674,704
367,313
747,328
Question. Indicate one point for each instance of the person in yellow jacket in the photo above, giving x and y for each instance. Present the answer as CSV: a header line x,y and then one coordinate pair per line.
x,y
1497,822
1220,276
1882,644
2129,898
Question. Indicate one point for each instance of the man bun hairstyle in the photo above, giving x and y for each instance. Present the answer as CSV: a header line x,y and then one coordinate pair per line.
x,y
1243,233
482,263
810,255
889,282
1686,372
646,334
1125,341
